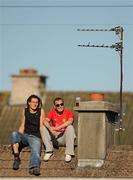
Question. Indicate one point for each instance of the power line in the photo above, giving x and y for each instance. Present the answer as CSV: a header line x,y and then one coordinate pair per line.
x,y
65,6
53,24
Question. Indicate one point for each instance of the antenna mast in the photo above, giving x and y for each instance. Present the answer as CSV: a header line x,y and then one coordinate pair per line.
x,y
118,47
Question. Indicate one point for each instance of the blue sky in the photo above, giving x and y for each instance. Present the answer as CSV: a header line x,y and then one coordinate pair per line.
x,y
43,35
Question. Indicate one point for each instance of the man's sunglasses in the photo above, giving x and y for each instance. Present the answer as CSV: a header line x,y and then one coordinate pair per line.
x,y
58,105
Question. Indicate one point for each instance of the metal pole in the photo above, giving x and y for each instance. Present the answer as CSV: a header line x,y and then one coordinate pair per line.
x,y
121,78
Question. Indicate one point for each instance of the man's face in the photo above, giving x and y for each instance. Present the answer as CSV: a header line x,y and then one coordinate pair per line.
x,y
33,104
59,105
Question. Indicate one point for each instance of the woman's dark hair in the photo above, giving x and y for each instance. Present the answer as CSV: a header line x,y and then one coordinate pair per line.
x,y
57,99
36,97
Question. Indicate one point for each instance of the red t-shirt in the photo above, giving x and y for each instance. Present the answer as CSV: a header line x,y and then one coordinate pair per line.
x,y
58,119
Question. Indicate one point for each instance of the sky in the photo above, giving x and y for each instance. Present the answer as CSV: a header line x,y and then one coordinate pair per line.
x,y
44,35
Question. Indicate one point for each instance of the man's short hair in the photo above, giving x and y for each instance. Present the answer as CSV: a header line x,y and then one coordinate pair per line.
x,y
57,99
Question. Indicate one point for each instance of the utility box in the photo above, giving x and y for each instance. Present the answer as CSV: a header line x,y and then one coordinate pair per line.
x,y
96,125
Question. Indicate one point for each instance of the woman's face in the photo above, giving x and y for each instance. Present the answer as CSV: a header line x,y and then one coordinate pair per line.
x,y
33,104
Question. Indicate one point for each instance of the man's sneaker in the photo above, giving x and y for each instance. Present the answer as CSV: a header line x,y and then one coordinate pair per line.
x,y
16,163
34,171
47,156
68,158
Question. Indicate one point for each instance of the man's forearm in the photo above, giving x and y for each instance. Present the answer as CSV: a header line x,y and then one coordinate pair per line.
x,y
46,123
67,123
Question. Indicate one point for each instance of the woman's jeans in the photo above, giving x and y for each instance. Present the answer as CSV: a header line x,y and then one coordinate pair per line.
x,y
34,144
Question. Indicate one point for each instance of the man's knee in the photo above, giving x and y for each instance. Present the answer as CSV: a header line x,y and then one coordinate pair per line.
x,y
14,134
70,129
15,137
43,130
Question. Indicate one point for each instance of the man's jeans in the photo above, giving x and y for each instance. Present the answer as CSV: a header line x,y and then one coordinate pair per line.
x,y
67,139
34,144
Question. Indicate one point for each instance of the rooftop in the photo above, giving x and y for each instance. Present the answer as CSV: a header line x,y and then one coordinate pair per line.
x,y
118,164
119,159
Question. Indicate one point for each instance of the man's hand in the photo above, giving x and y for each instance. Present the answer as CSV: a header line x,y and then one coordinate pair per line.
x,y
54,131
57,128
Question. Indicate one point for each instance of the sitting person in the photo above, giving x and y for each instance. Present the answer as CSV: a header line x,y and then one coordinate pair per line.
x,y
58,128
28,134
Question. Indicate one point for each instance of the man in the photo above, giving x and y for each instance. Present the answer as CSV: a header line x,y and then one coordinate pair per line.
x,y
29,134
58,128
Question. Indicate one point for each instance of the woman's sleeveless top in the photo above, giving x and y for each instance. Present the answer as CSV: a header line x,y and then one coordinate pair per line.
x,y
32,122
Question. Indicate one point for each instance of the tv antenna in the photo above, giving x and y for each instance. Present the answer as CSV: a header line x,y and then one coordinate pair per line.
x,y
119,48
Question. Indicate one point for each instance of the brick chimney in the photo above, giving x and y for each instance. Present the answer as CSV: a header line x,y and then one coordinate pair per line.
x,y
27,82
